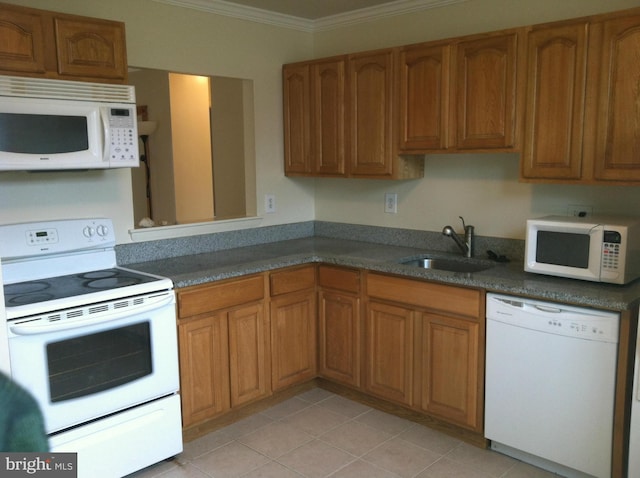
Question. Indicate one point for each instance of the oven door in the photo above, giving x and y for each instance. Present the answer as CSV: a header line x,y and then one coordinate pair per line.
x,y
82,370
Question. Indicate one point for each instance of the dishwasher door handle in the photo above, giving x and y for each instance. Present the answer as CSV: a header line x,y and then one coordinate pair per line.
x,y
549,309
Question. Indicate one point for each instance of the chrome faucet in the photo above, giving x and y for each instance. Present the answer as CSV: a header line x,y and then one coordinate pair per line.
x,y
465,246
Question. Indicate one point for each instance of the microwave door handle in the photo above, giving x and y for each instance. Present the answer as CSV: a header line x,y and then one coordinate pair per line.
x,y
106,132
29,328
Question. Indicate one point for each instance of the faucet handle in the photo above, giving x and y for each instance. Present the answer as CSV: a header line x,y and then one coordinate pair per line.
x,y
464,226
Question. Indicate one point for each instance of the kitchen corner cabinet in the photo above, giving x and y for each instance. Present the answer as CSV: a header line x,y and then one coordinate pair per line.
x,y
463,94
340,118
339,325
224,347
372,139
293,326
433,335
47,44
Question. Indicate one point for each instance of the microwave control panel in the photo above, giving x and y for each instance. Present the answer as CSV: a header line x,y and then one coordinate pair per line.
x,y
123,136
611,250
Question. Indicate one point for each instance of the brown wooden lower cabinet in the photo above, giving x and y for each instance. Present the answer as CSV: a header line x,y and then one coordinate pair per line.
x,y
450,381
293,326
389,352
339,325
224,354
339,337
432,336
204,368
410,342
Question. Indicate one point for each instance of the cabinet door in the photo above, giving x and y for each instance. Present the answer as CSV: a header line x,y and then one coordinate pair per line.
x,y
485,79
555,105
293,339
389,352
91,48
450,377
248,357
204,368
371,88
22,47
424,98
297,114
339,337
328,122
617,153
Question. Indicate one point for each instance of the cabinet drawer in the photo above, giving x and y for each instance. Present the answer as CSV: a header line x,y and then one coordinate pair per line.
x,y
454,300
292,280
216,296
347,280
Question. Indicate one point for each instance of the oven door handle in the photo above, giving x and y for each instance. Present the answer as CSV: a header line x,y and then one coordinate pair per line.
x,y
36,327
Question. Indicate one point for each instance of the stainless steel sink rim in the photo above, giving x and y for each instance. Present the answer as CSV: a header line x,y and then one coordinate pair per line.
x,y
446,264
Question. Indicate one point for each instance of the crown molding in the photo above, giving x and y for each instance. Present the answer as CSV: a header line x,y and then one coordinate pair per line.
x,y
243,12
391,9
230,9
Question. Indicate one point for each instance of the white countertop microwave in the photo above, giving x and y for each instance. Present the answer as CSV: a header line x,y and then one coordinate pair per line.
x,y
57,124
593,248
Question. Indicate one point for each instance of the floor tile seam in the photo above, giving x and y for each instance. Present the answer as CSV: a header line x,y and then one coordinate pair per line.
x,y
354,457
310,439
439,459
365,461
449,456
293,470
268,458
350,417
426,448
350,453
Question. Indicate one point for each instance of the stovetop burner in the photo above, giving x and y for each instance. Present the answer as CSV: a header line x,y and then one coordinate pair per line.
x,y
41,290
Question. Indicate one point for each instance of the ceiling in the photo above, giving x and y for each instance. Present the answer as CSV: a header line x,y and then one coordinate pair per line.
x,y
310,15
311,9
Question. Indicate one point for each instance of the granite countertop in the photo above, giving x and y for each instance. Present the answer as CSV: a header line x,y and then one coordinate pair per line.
x,y
506,278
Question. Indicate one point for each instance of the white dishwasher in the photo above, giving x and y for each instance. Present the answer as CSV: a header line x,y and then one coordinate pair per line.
x,y
550,384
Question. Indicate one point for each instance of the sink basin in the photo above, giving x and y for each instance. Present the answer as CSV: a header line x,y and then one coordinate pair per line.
x,y
450,265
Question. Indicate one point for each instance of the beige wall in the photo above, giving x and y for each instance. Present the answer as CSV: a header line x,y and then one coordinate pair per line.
x,y
189,41
484,188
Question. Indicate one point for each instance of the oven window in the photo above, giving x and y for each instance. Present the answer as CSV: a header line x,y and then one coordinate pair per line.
x,y
42,134
93,363
563,249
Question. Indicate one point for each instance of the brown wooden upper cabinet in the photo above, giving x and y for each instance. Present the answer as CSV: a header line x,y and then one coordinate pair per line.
x,y
617,148
314,117
462,94
555,106
340,118
47,44
582,120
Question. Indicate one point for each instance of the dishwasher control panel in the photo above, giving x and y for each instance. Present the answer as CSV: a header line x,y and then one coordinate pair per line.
x,y
559,319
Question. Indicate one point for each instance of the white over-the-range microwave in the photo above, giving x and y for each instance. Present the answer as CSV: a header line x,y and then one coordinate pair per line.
x,y
597,248
66,125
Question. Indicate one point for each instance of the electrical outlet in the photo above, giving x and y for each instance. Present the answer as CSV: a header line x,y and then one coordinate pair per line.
x,y
579,210
269,203
391,203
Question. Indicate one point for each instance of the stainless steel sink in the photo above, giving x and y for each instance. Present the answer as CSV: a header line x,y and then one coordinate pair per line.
x,y
450,265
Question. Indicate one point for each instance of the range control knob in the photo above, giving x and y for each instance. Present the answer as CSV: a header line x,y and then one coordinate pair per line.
x,y
88,231
102,230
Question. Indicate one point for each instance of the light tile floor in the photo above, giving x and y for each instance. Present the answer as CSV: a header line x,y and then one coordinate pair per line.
x,y
320,434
